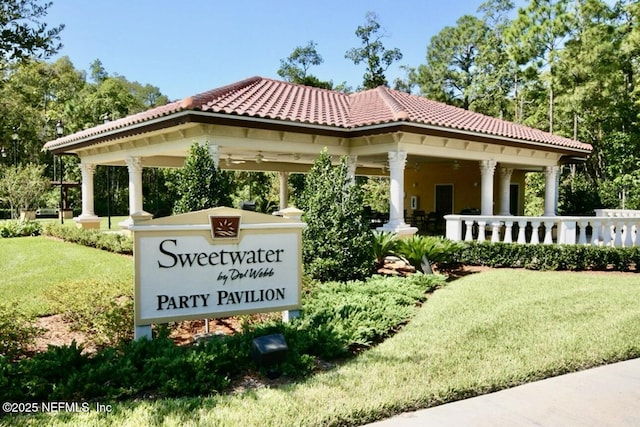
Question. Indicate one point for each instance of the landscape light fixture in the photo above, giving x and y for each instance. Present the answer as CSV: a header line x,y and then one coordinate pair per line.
x,y
268,351
3,152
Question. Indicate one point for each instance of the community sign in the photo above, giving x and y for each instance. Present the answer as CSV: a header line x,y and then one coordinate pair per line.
x,y
214,263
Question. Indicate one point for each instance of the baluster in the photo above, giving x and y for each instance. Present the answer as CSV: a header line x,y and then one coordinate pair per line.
x,y
468,235
617,241
508,225
522,237
595,232
534,232
634,234
481,232
627,234
495,231
582,239
548,236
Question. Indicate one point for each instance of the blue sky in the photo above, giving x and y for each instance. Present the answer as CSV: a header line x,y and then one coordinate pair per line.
x,y
190,46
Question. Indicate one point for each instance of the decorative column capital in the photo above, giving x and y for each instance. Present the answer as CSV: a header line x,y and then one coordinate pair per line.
x,y
506,172
488,166
133,163
87,168
551,171
397,159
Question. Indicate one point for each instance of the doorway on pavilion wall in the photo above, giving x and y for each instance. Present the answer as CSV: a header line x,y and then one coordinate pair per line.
x,y
514,199
444,203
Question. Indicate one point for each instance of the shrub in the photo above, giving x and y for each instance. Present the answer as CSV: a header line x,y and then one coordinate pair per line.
x,y
340,316
17,228
336,243
112,242
103,310
384,243
17,332
201,185
548,257
421,251
337,317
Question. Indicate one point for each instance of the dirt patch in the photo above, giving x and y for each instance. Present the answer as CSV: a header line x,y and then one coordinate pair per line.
x,y
58,333
186,331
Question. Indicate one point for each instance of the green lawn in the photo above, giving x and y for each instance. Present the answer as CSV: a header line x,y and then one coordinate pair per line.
x,y
482,333
31,265
115,220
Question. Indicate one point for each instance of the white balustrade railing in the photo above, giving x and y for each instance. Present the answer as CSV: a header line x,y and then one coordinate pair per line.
x,y
606,230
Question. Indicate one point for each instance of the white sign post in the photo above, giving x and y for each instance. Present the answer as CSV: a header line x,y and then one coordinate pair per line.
x,y
215,263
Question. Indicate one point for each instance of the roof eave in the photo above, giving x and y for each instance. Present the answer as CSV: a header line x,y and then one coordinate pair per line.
x,y
192,116
431,129
206,117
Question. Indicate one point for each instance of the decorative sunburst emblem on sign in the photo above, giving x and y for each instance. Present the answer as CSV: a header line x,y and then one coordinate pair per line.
x,y
224,227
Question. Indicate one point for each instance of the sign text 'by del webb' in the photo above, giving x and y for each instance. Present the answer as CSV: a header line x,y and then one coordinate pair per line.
x,y
215,272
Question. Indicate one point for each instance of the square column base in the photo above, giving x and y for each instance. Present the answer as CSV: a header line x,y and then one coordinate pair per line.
x,y
89,222
401,230
135,217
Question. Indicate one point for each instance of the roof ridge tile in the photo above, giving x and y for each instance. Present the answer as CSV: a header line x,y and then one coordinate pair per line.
x,y
399,112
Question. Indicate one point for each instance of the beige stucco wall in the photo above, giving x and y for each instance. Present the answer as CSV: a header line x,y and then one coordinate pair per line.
x,y
421,181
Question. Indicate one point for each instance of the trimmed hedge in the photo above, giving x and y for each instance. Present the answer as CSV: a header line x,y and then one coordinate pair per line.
x,y
112,242
549,257
16,228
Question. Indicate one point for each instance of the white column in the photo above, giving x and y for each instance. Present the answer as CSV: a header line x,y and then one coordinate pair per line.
x,y
214,152
87,218
505,190
134,164
284,189
487,169
351,169
396,224
551,183
87,170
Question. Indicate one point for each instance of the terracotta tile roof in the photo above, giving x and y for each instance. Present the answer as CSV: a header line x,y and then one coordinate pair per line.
x,y
271,99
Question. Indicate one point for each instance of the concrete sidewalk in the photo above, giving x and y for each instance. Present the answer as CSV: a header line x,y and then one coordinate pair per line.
x,y
604,396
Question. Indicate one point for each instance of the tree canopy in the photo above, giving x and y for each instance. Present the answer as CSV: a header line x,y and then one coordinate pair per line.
x,y
23,34
569,66
376,57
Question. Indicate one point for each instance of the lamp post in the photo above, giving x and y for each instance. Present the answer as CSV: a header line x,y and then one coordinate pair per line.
x,y
60,132
106,119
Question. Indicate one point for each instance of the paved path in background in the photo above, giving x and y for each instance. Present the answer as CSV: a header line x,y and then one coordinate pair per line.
x,y
599,397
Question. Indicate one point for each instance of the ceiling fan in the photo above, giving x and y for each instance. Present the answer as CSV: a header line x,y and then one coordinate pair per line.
x,y
231,161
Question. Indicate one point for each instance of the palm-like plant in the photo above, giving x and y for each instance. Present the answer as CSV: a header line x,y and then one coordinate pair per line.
x,y
422,251
384,243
